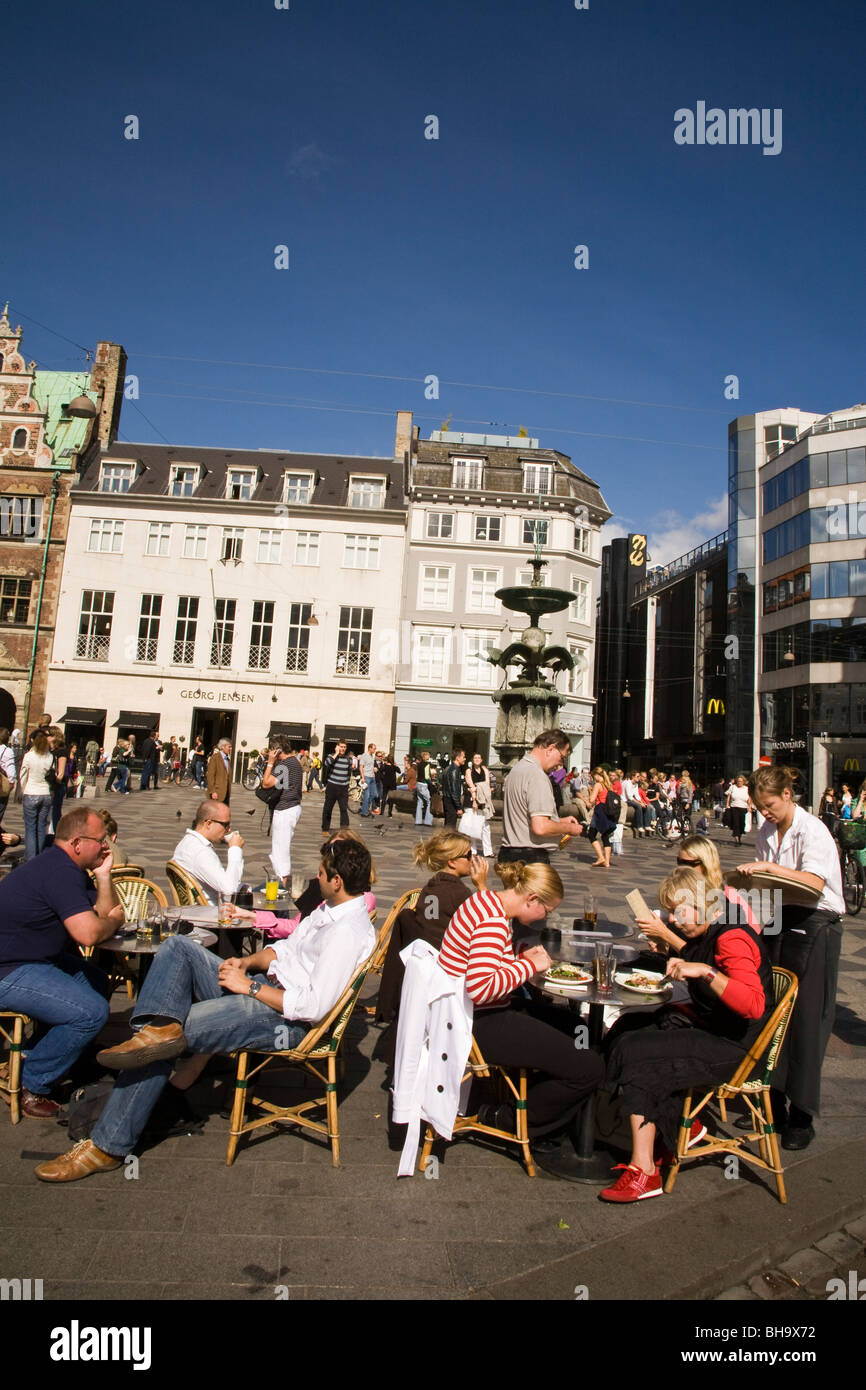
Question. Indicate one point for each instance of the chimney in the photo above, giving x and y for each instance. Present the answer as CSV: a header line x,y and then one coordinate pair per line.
x,y
107,377
403,437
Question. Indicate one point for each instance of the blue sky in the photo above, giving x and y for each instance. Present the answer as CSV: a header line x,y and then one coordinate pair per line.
x,y
305,127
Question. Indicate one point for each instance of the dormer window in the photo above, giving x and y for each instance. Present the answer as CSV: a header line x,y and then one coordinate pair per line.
x,y
19,440
116,477
467,473
183,479
298,488
366,492
537,478
241,484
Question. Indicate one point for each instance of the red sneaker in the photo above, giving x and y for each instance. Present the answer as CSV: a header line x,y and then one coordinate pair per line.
x,y
633,1186
697,1132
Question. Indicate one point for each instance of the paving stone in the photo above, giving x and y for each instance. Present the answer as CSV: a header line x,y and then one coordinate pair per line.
x,y
421,1264
47,1255
741,1294
806,1265
92,1291
840,1246
857,1229
228,1259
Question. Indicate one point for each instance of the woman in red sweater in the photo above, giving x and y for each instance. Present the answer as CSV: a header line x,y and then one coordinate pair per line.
x,y
478,946
654,1059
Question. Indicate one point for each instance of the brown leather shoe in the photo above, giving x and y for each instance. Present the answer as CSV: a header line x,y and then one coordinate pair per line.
x,y
82,1159
38,1107
148,1045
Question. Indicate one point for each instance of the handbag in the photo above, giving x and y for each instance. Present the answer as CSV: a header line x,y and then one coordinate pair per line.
x,y
437,805
5,785
269,795
727,818
471,823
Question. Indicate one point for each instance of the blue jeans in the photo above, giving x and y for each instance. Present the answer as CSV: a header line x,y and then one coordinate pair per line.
x,y
422,810
198,770
37,814
72,999
369,795
182,971
148,772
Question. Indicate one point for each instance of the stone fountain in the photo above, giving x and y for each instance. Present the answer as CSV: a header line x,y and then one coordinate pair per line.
x,y
530,703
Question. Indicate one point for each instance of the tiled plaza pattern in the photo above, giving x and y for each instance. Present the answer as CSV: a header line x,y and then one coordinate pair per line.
x,y
190,1227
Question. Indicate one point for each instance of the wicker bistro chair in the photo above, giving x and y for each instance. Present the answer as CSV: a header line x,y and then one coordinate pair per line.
x,y
317,1053
185,890
12,1027
754,1091
469,1124
134,893
127,871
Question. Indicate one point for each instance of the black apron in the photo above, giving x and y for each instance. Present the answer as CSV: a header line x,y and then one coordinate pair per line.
x,y
808,945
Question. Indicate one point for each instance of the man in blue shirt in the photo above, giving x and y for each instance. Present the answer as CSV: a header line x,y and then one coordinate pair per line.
x,y
47,908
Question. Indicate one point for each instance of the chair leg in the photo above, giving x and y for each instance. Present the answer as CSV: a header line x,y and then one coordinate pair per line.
x,y
682,1141
523,1124
426,1151
15,1070
772,1141
333,1121
238,1108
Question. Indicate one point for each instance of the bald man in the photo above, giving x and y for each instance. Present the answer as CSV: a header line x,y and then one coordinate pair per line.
x,y
197,850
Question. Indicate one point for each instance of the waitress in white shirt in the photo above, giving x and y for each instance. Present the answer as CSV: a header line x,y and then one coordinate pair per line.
x,y
798,847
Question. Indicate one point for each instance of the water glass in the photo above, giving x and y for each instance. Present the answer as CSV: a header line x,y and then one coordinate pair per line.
x,y
225,909
590,915
605,966
154,925
171,921
299,884
142,932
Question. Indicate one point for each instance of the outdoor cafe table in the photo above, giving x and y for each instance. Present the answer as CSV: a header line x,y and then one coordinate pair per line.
x,y
580,1161
146,950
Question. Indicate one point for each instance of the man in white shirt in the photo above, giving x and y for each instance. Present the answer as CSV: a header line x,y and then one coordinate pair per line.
x,y
273,999
197,855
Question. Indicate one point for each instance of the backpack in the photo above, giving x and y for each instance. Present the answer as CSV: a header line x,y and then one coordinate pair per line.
x,y
613,807
171,1116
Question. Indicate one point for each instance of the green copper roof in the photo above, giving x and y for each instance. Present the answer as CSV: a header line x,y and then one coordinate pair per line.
x,y
53,390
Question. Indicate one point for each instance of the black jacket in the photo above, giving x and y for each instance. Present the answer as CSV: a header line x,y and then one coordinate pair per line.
x,y
453,785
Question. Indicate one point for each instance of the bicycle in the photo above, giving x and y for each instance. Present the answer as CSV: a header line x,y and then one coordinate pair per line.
x,y
851,838
252,778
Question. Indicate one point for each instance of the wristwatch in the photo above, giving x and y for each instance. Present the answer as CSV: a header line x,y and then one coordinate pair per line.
x,y
255,986
709,977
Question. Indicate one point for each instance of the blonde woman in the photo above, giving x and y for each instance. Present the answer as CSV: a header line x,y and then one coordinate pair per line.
x,y
449,855
478,947
698,852
601,826
738,802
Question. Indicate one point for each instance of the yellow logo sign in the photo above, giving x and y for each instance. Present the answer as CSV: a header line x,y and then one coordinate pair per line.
x,y
852,764
716,707
637,555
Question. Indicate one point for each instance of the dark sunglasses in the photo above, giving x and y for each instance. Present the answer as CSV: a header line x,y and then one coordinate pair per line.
x,y
689,863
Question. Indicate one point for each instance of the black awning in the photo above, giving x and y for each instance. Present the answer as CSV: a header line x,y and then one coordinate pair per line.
x,y
343,733
74,715
134,719
295,731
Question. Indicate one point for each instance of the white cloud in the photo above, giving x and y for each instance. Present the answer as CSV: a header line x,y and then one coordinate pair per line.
x,y
670,534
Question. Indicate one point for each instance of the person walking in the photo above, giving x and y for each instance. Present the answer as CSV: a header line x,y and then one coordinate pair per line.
x,y
197,760
283,770
314,777
423,789
150,761
36,767
481,793
738,803
367,767
604,821
219,772
337,774
388,782
454,788
529,816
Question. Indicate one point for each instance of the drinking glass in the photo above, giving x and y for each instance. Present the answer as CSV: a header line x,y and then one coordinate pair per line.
x,y
142,932
225,909
299,884
605,966
171,921
590,915
154,925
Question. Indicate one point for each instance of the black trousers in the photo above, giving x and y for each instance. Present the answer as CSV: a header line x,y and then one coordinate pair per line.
x,y
513,1037
809,946
339,796
452,814
509,854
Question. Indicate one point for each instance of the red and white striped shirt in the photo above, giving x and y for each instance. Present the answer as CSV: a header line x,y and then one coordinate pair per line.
x,y
477,944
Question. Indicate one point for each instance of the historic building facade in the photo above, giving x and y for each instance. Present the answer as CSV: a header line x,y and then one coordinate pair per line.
x,y
48,422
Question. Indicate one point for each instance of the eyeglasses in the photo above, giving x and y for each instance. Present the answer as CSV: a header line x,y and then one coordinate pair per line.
x,y
224,823
97,840
690,863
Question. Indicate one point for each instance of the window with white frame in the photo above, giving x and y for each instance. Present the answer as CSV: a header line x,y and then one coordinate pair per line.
x,y
261,635
106,536
488,528
577,675
537,477
434,586
526,577
20,516
535,531
582,539
148,627
232,545
467,473
94,625
223,636
361,552
185,630
366,492
440,526
158,538
430,655
307,548
478,674
269,547
183,479
354,640
481,594
116,477
298,650
241,484
195,543
579,609
298,488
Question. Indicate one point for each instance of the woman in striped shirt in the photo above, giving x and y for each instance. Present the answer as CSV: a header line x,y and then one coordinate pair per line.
x,y
478,946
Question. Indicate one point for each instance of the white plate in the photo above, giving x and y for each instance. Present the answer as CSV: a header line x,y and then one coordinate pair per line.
x,y
623,978
562,983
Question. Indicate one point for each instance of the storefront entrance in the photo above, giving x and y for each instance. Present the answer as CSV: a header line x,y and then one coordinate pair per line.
x,y
212,725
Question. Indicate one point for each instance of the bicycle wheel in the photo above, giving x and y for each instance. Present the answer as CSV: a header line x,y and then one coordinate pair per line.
x,y
852,883
252,779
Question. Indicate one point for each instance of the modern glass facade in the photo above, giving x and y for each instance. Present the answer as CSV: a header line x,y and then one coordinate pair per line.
x,y
742,562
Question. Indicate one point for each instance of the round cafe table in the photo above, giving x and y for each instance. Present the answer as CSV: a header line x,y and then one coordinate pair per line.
x,y
580,1160
146,950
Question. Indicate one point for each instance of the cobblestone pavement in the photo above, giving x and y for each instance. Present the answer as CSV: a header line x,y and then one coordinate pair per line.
x,y
282,1217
